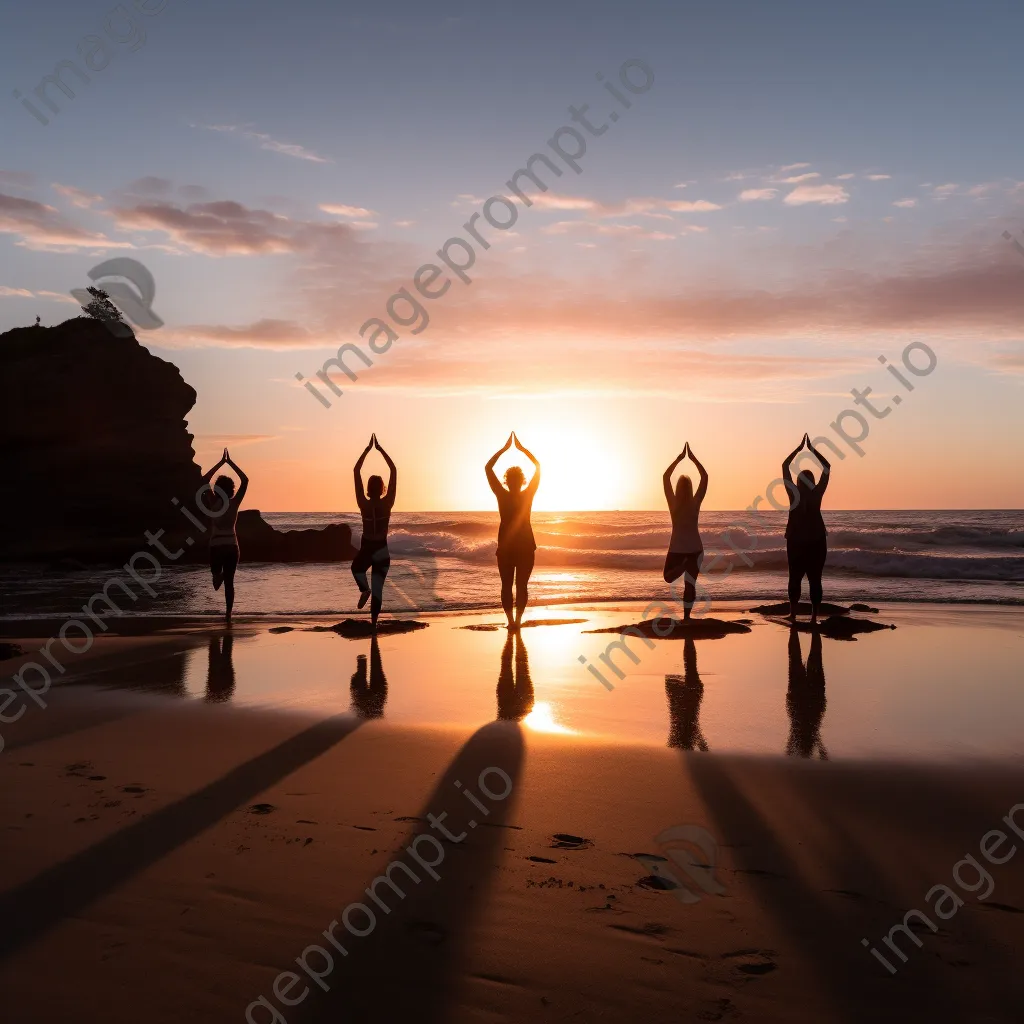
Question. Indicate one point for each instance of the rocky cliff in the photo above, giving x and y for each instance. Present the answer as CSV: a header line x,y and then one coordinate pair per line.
x,y
93,441
94,445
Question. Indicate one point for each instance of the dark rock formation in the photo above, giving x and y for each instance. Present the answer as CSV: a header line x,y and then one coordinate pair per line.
x,y
93,442
94,445
258,541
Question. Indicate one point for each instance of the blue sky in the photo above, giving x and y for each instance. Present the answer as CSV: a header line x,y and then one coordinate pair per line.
x,y
803,187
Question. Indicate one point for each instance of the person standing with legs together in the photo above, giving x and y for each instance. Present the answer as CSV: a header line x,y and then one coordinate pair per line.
x,y
685,549
223,542
375,507
516,546
806,537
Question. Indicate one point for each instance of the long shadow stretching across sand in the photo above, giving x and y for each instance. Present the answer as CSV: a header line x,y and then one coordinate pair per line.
x,y
66,889
856,988
407,968
162,676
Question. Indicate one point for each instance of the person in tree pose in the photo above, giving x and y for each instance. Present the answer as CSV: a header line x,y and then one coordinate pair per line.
x,y
685,549
223,542
375,505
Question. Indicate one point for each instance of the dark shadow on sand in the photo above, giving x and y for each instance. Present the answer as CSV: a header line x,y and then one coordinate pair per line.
x,y
361,629
678,629
67,889
407,968
161,676
493,627
827,943
836,627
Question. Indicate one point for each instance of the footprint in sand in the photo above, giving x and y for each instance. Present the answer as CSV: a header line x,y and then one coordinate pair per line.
x,y
751,961
565,841
262,808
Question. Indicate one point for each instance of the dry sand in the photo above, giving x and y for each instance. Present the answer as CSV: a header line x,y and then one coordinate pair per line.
x,y
164,860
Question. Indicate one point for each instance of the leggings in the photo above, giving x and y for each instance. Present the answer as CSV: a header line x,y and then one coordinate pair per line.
x,y
372,555
686,564
806,558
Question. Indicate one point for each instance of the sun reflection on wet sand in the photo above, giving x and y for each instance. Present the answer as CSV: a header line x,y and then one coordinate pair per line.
x,y
944,684
542,719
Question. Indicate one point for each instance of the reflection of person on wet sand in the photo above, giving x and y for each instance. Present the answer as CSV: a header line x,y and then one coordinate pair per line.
x,y
515,693
805,699
369,697
685,694
220,676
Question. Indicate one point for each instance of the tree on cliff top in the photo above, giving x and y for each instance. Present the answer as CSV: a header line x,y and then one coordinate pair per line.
x,y
102,309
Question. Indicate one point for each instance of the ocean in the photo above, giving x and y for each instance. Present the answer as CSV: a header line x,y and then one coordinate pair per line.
x,y
445,561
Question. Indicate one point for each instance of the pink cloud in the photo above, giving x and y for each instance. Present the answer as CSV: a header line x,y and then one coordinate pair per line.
x,y
825,195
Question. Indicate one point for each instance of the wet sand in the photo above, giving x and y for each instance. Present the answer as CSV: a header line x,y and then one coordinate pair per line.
x,y
180,835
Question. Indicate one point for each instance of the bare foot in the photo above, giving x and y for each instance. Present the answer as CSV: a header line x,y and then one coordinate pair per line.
x,y
363,598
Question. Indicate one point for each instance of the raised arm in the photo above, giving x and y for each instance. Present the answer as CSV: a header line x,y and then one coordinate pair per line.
x,y
243,479
208,475
357,473
495,484
702,487
535,480
666,477
786,474
826,469
392,478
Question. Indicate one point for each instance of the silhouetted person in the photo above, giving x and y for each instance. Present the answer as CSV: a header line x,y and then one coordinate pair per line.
x,y
515,692
369,698
806,544
516,546
220,676
805,698
685,694
222,517
685,549
375,507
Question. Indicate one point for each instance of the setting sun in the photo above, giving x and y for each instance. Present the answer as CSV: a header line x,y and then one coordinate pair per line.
x,y
581,468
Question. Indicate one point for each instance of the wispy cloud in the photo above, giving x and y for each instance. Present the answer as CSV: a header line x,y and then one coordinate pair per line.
x,y
267,142
796,179
26,293
78,197
905,204
878,177
752,195
825,195
340,210
792,167
43,227
644,205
